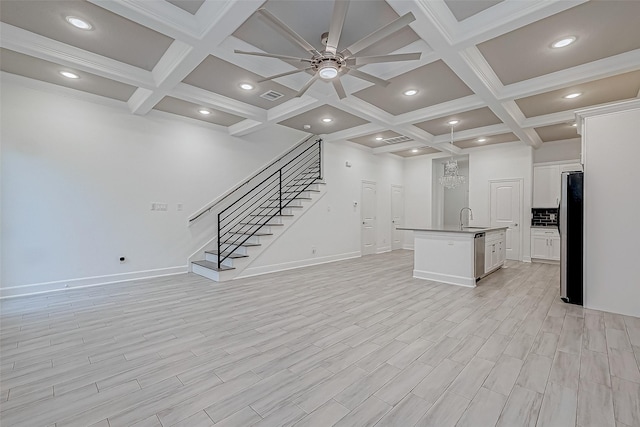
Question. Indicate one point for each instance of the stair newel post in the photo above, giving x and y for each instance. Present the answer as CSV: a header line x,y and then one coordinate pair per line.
x,y
280,188
219,238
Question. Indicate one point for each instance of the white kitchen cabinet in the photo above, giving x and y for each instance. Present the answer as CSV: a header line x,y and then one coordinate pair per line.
x,y
545,244
546,183
494,250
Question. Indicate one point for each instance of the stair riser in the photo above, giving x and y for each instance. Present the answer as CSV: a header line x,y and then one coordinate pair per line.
x,y
239,249
218,276
294,202
229,262
240,239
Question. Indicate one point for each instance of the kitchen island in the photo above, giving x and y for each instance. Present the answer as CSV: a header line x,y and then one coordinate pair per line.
x,y
458,256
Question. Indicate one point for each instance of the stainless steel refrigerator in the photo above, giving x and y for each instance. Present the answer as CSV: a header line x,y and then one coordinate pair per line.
x,y
570,224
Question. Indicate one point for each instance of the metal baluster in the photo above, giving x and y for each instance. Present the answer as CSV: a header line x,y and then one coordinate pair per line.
x,y
219,237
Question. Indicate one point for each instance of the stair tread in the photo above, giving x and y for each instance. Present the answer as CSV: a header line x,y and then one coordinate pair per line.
x,y
212,265
284,207
243,245
252,234
231,255
262,215
257,223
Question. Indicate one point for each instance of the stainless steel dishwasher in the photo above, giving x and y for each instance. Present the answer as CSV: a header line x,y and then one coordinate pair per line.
x,y
478,246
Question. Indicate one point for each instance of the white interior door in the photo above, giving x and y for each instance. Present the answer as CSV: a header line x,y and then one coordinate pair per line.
x,y
397,216
368,215
506,211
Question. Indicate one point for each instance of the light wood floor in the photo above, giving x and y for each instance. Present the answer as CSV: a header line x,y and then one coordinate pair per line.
x,y
354,343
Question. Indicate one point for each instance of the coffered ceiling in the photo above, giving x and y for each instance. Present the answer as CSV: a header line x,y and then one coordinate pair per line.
x,y
490,65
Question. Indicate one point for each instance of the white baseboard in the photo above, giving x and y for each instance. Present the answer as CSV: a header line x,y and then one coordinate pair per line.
x,y
85,282
526,259
383,249
255,271
445,278
408,246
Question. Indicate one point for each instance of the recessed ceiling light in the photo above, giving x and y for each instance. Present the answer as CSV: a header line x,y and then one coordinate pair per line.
x,y
327,120
69,75
453,122
415,150
79,23
246,86
575,125
379,138
482,139
204,112
410,92
306,127
563,42
572,95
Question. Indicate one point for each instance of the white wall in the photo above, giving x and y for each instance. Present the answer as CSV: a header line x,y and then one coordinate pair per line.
x,y
78,179
492,162
612,208
457,198
555,151
332,226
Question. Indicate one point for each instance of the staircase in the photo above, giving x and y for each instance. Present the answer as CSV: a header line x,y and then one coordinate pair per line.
x,y
255,213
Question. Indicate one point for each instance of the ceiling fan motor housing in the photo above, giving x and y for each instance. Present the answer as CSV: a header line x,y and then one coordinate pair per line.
x,y
327,64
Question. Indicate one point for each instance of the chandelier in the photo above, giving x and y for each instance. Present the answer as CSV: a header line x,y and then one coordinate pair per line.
x,y
451,177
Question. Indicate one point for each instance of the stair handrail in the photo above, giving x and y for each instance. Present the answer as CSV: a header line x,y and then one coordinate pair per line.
x,y
266,199
233,190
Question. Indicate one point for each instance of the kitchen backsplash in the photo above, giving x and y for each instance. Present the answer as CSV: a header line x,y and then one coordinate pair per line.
x,y
544,217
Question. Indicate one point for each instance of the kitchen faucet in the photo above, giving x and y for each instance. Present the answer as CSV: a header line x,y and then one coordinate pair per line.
x,y
470,216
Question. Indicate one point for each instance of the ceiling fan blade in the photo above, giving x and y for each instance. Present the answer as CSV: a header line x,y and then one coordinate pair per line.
x,y
307,85
379,34
368,77
288,73
271,55
288,32
340,8
363,60
339,88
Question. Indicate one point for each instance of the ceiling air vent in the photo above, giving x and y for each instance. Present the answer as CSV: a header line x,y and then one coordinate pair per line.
x,y
397,139
271,95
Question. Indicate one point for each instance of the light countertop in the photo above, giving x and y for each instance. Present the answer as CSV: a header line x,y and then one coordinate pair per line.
x,y
471,230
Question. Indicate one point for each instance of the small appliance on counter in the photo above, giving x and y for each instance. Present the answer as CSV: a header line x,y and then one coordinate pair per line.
x,y
570,225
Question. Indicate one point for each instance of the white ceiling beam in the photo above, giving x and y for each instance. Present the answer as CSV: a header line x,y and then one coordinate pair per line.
x,y
504,17
549,119
28,43
206,98
463,135
606,67
394,148
476,74
454,106
355,132
178,62
160,16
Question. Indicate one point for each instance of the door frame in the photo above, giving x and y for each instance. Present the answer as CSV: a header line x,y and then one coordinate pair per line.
x,y
375,218
393,225
520,182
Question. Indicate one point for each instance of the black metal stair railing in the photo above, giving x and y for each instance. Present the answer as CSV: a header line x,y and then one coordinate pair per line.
x,y
247,209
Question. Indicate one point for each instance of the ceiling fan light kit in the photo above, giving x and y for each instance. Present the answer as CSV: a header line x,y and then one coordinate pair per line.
x,y
330,64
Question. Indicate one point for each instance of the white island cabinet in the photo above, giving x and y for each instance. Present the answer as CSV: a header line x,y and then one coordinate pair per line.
x,y
457,256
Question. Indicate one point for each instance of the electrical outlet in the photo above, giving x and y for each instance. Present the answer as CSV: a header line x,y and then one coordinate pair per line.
x,y
159,206
179,207
313,250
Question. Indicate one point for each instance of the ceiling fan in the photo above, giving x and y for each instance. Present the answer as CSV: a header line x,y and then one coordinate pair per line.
x,y
329,64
